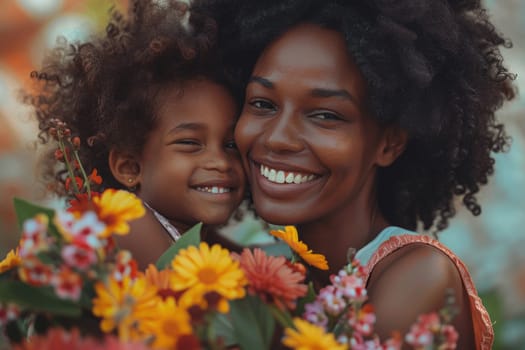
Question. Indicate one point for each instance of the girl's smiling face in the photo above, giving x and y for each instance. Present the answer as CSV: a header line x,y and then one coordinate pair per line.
x,y
190,169
307,142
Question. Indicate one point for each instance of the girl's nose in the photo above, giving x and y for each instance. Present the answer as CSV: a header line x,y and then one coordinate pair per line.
x,y
218,159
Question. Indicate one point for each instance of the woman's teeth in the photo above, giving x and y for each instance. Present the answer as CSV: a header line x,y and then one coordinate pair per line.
x,y
281,176
214,189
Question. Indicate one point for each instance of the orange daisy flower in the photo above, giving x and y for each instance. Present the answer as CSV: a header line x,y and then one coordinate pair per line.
x,y
126,306
271,278
203,269
307,336
115,208
11,260
162,280
291,237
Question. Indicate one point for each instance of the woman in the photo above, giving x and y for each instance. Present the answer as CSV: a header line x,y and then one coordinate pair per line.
x,y
364,117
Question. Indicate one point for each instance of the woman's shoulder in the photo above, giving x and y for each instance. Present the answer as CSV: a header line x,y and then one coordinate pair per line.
x,y
419,273
412,274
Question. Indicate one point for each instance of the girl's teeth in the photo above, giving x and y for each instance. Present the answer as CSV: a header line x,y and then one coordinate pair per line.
x,y
214,189
281,177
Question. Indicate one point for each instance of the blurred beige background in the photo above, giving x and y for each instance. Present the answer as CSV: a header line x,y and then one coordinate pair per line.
x,y
492,245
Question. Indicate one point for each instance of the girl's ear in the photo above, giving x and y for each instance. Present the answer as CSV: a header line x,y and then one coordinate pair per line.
x,y
125,168
393,145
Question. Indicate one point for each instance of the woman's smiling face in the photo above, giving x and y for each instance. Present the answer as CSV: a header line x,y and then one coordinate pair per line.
x,y
309,146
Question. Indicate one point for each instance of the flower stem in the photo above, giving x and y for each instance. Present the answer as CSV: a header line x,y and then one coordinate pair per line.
x,y
84,175
282,317
68,165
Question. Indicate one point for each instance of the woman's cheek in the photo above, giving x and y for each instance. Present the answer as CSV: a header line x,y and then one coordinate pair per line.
x,y
245,133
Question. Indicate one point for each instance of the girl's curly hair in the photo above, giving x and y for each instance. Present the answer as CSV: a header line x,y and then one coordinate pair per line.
x,y
433,67
104,89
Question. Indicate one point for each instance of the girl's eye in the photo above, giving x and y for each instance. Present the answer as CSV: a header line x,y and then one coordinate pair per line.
x,y
187,145
231,145
187,142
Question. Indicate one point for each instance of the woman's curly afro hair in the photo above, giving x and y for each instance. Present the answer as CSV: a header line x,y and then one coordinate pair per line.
x,y
104,89
433,67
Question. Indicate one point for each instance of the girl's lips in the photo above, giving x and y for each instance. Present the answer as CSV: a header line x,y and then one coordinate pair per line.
x,y
216,189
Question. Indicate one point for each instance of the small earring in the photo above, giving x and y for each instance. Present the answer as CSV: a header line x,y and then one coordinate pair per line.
x,y
132,188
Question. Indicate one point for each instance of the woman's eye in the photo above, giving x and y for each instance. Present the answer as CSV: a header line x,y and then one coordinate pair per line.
x,y
261,104
326,116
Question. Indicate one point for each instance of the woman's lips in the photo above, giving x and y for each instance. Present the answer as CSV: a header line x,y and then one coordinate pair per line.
x,y
281,183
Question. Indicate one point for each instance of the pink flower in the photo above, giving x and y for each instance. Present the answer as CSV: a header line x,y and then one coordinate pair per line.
x,y
125,266
8,313
363,322
393,343
85,229
315,314
79,256
422,332
272,278
358,342
67,284
33,272
34,236
332,300
451,337
351,286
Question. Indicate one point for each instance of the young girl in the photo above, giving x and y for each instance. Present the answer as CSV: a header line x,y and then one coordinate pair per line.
x,y
365,120
155,115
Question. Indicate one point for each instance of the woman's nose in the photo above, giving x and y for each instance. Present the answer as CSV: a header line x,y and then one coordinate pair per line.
x,y
282,133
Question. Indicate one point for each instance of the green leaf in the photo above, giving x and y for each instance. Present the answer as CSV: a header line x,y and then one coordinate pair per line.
x,y
37,299
223,328
26,210
192,237
307,299
253,323
278,248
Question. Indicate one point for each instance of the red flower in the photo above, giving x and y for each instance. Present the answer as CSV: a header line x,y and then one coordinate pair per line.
x,y
78,180
59,155
59,339
271,278
95,178
81,203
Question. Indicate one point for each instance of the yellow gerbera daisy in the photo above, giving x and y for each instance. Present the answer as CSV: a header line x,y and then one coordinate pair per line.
x,y
171,322
160,279
11,260
125,306
198,271
115,208
307,336
291,237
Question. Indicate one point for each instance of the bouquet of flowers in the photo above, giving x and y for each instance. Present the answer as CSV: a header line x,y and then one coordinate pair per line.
x,y
67,286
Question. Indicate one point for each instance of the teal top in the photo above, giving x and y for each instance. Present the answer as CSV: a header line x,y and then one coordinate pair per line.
x,y
364,254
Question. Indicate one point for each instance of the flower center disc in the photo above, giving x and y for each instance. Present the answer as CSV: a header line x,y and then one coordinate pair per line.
x,y
207,275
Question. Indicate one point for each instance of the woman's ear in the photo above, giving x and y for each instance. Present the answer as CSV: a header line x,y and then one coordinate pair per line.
x,y
125,168
393,145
